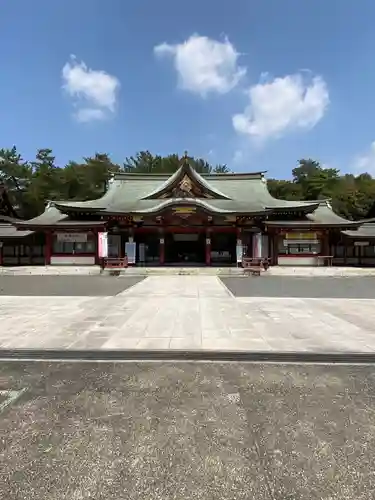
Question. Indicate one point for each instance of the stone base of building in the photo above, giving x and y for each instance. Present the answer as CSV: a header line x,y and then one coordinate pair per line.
x,y
304,271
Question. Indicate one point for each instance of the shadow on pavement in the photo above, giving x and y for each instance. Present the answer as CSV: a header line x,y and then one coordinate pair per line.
x,y
302,287
94,286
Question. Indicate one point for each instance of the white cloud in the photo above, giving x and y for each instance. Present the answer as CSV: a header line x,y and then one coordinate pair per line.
x,y
282,105
204,65
366,162
94,91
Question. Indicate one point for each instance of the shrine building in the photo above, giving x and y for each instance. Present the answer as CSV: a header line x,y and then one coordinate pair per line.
x,y
187,219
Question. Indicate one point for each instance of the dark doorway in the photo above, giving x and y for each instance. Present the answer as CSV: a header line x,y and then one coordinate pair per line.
x,y
185,248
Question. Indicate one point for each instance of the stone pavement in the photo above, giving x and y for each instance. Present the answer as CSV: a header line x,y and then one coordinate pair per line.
x,y
194,271
187,312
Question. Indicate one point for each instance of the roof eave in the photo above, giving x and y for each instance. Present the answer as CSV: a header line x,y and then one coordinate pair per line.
x,y
304,224
66,209
59,225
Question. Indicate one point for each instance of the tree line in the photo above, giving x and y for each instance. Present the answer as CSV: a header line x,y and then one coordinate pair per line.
x,y
31,183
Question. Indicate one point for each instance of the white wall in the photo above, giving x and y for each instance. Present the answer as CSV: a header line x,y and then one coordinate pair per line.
x,y
297,261
77,260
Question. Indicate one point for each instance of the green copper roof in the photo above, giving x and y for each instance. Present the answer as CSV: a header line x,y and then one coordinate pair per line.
x,y
8,231
233,193
322,216
236,193
53,217
365,231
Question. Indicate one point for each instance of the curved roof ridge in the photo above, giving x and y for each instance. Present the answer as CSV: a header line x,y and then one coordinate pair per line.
x,y
185,202
185,169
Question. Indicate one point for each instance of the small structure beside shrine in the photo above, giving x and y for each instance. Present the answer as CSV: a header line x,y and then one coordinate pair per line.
x,y
194,219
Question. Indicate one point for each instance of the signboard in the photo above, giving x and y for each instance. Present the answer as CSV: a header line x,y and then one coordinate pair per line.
x,y
103,245
301,236
361,243
72,237
239,253
300,242
130,250
126,219
184,210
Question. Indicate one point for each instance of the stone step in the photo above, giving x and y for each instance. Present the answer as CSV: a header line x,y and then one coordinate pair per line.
x,y
180,271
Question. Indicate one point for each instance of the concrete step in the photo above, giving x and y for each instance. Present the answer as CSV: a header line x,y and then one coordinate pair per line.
x,y
181,271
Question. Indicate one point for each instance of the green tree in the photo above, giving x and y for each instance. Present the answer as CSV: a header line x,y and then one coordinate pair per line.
x,y
145,162
285,190
45,181
15,175
316,182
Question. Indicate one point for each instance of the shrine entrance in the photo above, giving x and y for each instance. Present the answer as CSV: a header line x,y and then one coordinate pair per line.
x,y
185,248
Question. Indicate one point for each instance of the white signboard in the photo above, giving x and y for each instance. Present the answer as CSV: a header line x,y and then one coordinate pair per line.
x,y
239,253
103,245
72,237
130,250
361,243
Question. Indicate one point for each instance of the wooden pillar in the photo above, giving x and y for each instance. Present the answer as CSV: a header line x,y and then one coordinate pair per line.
x,y
270,247
275,247
48,247
257,245
208,247
1,253
161,247
238,242
325,243
96,236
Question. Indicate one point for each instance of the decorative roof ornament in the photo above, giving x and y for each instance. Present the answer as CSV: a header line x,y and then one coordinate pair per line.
x,y
184,188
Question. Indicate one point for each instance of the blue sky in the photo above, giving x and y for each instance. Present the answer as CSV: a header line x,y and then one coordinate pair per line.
x,y
256,84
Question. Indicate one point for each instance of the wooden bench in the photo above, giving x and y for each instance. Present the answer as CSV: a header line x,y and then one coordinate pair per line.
x,y
115,263
254,266
322,259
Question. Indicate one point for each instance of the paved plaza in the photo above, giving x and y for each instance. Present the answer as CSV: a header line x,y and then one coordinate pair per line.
x,y
192,431
188,312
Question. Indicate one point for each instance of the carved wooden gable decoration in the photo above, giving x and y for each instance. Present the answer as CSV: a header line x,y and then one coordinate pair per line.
x,y
186,188
186,183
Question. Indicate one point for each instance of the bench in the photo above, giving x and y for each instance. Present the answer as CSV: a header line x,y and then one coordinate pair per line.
x,y
254,266
322,259
115,263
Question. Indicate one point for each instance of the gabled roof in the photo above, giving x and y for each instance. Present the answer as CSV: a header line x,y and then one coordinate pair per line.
x,y
364,232
322,216
243,193
186,171
231,193
8,231
52,217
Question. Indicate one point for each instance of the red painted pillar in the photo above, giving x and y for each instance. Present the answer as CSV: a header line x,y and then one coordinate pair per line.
x,y
48,248
95,234
239,242
208,248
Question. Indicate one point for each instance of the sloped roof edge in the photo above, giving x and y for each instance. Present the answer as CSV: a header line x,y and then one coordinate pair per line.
x,y
185,169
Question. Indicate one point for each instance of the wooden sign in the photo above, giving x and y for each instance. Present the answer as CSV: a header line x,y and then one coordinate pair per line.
x,y
126,219
184,210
